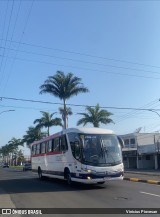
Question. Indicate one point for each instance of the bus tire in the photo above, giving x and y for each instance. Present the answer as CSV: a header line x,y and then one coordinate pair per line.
x,y
40,173
67,176
69,180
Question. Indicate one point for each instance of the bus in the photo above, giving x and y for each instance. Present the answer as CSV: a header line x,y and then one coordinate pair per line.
x,y
86,155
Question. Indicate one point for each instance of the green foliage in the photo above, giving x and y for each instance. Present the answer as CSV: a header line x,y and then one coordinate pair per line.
x,y
64,87
47,121
95,116
33,134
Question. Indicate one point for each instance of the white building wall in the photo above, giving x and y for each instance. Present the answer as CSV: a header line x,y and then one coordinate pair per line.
x,y
146,164
147,146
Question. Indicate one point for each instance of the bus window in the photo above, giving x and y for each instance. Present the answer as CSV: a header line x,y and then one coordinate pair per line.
x,y
75,145
33,149
56,144
50,146
38,149
64,146
43,147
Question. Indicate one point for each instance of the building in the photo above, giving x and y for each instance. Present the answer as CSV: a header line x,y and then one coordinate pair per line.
x,y
141,150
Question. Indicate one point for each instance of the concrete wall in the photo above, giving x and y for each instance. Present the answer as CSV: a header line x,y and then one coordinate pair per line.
x,y
146,164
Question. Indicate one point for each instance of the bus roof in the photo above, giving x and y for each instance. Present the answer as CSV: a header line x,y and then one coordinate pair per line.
x,y
93,130
84,130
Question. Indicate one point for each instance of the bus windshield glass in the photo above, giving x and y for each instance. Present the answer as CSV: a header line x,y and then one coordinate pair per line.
x,y
97,150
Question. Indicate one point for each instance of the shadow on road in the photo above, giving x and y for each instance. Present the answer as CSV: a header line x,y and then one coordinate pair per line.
x,y
31,184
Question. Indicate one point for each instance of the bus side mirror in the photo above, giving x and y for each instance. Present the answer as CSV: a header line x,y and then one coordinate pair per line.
x,y
121,142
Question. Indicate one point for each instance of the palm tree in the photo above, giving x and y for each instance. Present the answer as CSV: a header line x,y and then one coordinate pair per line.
x,y
13,147
95,116
47,121
33,134
20,157
5,151
68,112
64,87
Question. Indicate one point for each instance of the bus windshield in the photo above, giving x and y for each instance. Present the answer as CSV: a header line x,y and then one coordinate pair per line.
x,y
96,149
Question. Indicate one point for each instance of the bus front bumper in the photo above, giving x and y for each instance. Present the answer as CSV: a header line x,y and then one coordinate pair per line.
x,y
89,180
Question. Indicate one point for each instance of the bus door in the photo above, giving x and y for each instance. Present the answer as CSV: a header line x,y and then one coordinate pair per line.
x,y
63,150
76,153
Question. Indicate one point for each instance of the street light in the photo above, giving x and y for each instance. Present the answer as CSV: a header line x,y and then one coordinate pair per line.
x,y
11,110
151,110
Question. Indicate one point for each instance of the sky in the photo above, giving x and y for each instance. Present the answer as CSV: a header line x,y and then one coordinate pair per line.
x,y
113,46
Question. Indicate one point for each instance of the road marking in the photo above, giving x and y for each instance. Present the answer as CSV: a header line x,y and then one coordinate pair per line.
x,y
149,194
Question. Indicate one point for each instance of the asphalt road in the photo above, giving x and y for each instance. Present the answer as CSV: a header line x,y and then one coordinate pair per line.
x,y
27,191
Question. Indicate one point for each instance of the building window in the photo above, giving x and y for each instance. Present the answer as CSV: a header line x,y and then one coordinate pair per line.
x,y
126,142
124,158
132,141
147,157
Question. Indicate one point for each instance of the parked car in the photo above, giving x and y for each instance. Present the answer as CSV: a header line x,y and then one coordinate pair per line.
x,y
5,165
27,166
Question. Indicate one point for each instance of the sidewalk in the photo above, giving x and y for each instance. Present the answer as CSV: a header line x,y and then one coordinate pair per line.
x,y
6,202
146,176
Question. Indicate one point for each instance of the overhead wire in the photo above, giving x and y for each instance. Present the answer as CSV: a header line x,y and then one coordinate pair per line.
x,y
20,41
3,31
76,105
84,68
82,61
10,41
132,114
9,23
87,55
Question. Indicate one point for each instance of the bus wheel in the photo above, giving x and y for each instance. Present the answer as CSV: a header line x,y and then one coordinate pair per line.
x,y
40,173
69,180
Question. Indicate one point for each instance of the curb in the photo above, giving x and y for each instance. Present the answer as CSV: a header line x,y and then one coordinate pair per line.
x,y
142,180
143,173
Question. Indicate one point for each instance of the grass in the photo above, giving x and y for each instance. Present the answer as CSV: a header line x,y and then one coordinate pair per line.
x,y
16,167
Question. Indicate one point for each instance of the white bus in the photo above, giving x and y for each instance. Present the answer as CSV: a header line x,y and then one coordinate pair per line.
x,y
86,155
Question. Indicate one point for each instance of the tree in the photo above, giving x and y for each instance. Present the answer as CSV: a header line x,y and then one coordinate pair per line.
x,y
13,147
10,150
33,134
68,112
5,151
64,87
47,121
20,157
95,116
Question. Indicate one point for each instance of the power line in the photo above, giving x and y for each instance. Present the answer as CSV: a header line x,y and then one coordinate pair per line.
x,y
132,114
84,54
4,24
82,61
21,38
31,108
11,42
78,105
89,69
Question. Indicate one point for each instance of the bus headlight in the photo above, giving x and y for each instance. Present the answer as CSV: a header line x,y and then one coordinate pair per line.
x,y
89,178
90,171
